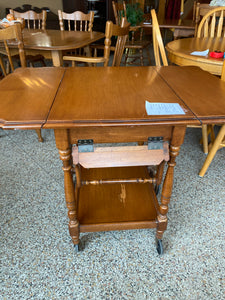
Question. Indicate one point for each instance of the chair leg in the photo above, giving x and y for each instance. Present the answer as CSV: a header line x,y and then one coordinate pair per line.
x,y
2,67
205,138
148,55
213,151
43,63
7,67
141,57
126,56
38,131
212,133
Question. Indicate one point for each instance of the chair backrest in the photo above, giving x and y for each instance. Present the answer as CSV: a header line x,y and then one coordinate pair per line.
x,y
11,33
212,23
158,46
78,21
32,19
119,11
201,10
121,33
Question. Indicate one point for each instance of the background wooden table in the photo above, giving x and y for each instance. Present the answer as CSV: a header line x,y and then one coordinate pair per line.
x,y
179,53
172,24
51,43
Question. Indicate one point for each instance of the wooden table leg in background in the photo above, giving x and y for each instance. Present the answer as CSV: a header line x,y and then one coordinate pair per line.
x,y
57,58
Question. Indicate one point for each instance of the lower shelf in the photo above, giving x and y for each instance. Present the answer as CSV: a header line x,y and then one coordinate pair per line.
x,y
116,206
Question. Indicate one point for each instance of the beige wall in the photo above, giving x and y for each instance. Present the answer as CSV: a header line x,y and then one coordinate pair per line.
x,y
53,5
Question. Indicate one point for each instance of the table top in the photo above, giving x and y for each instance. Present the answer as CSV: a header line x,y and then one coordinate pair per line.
x,y
58,40
112,96
179,52
27,96
172,23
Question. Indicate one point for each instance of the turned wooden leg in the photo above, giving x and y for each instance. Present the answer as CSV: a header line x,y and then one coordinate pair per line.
x,y
166,194
62,143
38,131
176,142
126,56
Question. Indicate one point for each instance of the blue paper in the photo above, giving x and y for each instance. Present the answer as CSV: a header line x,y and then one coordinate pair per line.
x,y
201,53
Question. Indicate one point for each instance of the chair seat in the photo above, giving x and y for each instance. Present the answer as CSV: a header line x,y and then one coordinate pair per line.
x,y
183,33
12,52
101,47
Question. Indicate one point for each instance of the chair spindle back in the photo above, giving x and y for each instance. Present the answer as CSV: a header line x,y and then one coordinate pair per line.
x,y
119,10
77,21
32,19
212,24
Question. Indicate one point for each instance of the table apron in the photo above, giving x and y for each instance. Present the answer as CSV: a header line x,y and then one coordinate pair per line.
x,y
211,67
119,134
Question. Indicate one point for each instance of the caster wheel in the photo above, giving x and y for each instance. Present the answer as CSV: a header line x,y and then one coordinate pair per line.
x,y
159,247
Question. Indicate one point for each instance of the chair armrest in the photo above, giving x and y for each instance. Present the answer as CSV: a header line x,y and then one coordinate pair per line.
x,y
85,59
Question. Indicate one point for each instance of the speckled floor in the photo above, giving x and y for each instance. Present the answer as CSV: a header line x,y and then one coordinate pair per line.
x,y
37,256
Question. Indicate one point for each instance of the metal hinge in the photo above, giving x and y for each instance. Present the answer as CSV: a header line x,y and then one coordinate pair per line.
x,y
85,145
155,142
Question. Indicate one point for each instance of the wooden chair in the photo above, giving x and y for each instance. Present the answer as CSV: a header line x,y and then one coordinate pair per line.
x,y
161,59
119,10
212,23
121,32
33,20
14,32
158,46
218,143
77,21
